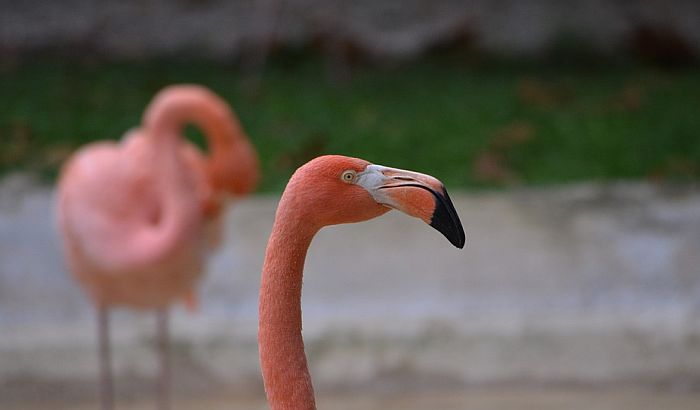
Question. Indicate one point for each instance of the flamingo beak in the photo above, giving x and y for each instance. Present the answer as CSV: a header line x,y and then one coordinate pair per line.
x,y
415,194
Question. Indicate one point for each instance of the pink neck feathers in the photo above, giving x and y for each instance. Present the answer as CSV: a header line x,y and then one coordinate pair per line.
x,y
285,372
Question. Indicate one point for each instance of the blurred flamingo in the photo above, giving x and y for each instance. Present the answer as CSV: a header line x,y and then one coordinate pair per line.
x,y
328,190
138,217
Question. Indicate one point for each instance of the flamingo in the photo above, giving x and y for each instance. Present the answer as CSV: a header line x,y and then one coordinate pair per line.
x,y
137,217
328,190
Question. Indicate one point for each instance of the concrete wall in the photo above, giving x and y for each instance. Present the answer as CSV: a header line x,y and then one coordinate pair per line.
x,y
220,28
586,284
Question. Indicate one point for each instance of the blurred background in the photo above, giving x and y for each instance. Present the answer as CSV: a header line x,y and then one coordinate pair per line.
x,y
568,134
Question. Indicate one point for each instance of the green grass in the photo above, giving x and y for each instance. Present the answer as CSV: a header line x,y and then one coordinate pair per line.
x,y
470,124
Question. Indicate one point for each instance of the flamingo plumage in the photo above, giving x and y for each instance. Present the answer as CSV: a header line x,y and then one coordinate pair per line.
x,y
328,190
138,217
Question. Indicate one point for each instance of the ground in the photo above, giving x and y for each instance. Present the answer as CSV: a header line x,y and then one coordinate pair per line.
x,y
478,399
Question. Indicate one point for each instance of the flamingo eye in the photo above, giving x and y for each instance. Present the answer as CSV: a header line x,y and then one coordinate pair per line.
x,y
348,176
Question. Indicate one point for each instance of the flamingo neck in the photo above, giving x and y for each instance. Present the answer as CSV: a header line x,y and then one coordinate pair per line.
x,y
178,215
177,106
282,358
233,164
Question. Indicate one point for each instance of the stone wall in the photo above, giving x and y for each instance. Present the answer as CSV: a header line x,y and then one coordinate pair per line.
x,y
587,284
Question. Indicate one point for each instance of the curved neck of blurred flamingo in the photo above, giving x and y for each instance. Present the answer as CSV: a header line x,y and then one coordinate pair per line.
x,y
282,358
176,215
233,162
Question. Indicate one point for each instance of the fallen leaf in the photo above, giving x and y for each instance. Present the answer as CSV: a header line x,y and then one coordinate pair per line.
x,y
536,92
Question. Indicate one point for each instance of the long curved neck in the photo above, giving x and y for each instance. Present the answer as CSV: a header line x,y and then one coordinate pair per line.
x,y
282,358
178,215
233,164
176,106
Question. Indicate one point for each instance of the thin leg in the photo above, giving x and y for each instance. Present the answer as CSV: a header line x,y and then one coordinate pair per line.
x,y
106,382
164,356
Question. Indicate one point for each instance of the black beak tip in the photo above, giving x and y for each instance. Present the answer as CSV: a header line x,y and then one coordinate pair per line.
x,y
459,242
446,220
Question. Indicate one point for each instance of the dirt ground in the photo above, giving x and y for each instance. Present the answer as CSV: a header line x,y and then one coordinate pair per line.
x,y
486,399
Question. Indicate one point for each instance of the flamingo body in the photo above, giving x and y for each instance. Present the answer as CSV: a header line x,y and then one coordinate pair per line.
x,y
111,216
137,217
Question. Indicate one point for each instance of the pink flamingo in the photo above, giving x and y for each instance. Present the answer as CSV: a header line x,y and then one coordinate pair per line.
x,y
328,190
138,217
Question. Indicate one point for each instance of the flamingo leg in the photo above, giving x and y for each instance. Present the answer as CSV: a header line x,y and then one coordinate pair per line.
x,y
163,339
104,352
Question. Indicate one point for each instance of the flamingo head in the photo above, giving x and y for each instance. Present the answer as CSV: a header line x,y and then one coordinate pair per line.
x,y
344,190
